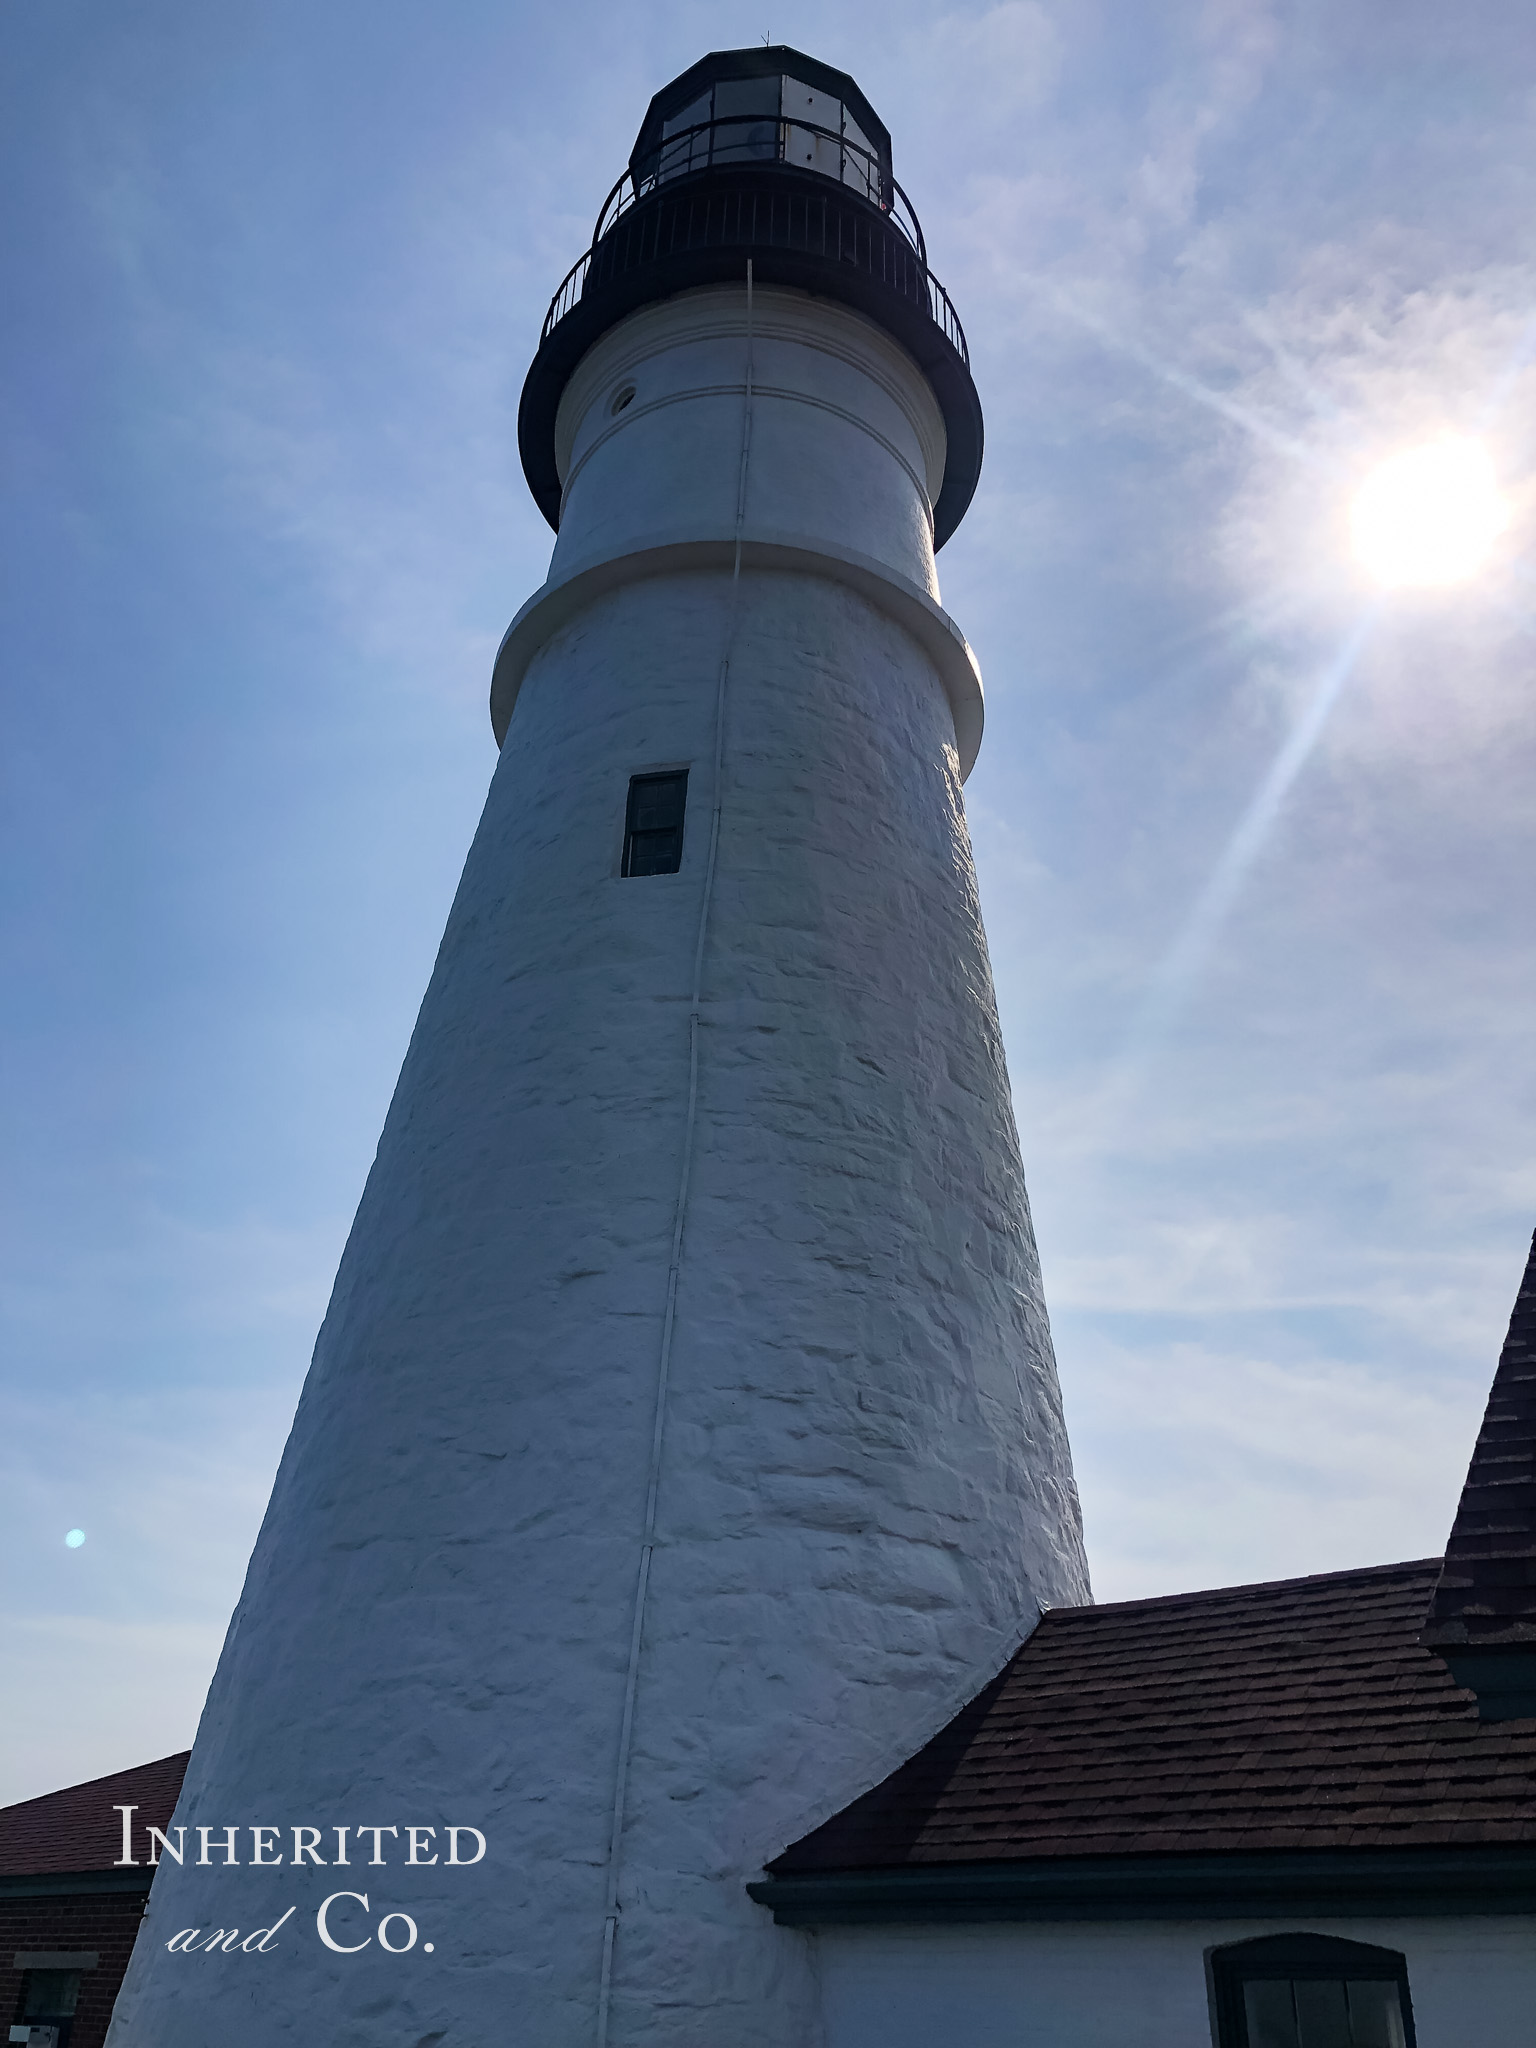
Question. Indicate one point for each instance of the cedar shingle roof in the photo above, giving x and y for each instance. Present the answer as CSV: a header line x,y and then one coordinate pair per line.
x,y
1486,1598
1300,1715
78,1830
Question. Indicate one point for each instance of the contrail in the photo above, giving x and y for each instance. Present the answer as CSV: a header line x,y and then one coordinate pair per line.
x,y
1189,952
1217,401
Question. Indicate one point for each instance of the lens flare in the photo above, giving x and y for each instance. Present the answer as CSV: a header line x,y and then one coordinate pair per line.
x,y
75,1538
1429,517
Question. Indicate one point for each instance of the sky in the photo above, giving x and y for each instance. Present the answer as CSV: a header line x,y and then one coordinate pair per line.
x,y
1255,838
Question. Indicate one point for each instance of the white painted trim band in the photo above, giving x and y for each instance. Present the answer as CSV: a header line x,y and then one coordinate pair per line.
x,y
897,596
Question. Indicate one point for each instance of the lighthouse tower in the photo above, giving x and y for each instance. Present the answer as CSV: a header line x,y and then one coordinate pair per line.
x,y
682,1445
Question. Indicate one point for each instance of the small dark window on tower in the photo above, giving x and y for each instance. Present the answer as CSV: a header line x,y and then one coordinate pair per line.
x,y
653,823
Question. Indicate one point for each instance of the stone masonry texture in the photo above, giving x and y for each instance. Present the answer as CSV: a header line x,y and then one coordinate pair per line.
x,y
865,1491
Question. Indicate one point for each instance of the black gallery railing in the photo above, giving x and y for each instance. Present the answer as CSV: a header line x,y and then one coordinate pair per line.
x,y
643,223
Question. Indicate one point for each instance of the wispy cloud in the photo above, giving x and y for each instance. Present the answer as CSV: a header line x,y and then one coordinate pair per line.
x,y
1208,1463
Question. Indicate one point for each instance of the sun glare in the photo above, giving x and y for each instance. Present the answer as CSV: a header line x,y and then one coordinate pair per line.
x,y
1429,516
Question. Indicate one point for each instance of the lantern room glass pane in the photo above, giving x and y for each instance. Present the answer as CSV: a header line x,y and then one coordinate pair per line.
x,y
690,152
861,163
694,115
815,141
746,119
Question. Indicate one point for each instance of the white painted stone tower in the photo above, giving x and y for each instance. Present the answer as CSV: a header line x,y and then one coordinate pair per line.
x,y
682,1444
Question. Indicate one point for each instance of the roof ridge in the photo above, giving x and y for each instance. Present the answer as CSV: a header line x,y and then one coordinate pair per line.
x,y
1194,1723
1486,1595
176,1756
1362,1571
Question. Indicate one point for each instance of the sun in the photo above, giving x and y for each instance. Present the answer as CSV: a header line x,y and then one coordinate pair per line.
x,y
1430,516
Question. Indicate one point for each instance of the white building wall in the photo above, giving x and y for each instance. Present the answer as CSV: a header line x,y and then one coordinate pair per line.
x,y
865,1491
1142,1984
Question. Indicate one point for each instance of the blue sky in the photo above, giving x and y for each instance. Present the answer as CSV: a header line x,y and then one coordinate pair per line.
x,y
274,276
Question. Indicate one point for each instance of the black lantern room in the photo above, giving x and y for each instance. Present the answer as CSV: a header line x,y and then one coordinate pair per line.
x,y
767,154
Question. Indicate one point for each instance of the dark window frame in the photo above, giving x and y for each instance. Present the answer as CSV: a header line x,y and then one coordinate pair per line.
x,y
50,2013
1301,1958
654,832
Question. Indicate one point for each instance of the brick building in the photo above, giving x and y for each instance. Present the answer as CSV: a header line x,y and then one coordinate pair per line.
x,y
68,1913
